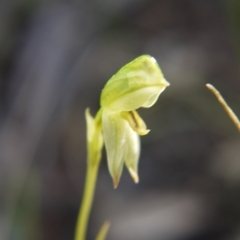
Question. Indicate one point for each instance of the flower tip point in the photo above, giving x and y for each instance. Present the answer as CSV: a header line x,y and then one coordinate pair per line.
x,y
134,175
144,132
166,82
115,182
87,112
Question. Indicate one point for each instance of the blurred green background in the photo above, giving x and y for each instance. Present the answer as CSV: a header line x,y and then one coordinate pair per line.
x,y
56,56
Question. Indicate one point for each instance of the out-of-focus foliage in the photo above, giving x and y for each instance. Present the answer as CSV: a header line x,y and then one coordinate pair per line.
x,y
55,57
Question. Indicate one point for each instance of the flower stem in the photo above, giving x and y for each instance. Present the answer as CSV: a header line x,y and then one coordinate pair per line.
x,y
88,195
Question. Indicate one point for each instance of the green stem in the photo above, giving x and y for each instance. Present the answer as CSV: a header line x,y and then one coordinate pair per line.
x,y
94,149
88,195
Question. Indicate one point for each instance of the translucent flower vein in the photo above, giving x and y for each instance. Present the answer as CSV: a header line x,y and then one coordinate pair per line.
x,y
137,84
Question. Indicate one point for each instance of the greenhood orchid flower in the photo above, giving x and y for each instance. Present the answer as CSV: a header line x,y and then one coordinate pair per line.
x,y
137,84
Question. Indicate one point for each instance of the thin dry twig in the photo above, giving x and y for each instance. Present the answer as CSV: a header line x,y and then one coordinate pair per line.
x,y
229,111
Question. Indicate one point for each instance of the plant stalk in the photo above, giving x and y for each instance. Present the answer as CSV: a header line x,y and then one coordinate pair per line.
x,y
88,196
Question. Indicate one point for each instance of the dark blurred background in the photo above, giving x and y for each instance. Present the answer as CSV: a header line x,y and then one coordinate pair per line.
x,y
56,56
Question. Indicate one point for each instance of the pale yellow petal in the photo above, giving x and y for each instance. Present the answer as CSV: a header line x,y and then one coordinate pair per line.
x,y
137,84
114,132
131,154
143,97
154,97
